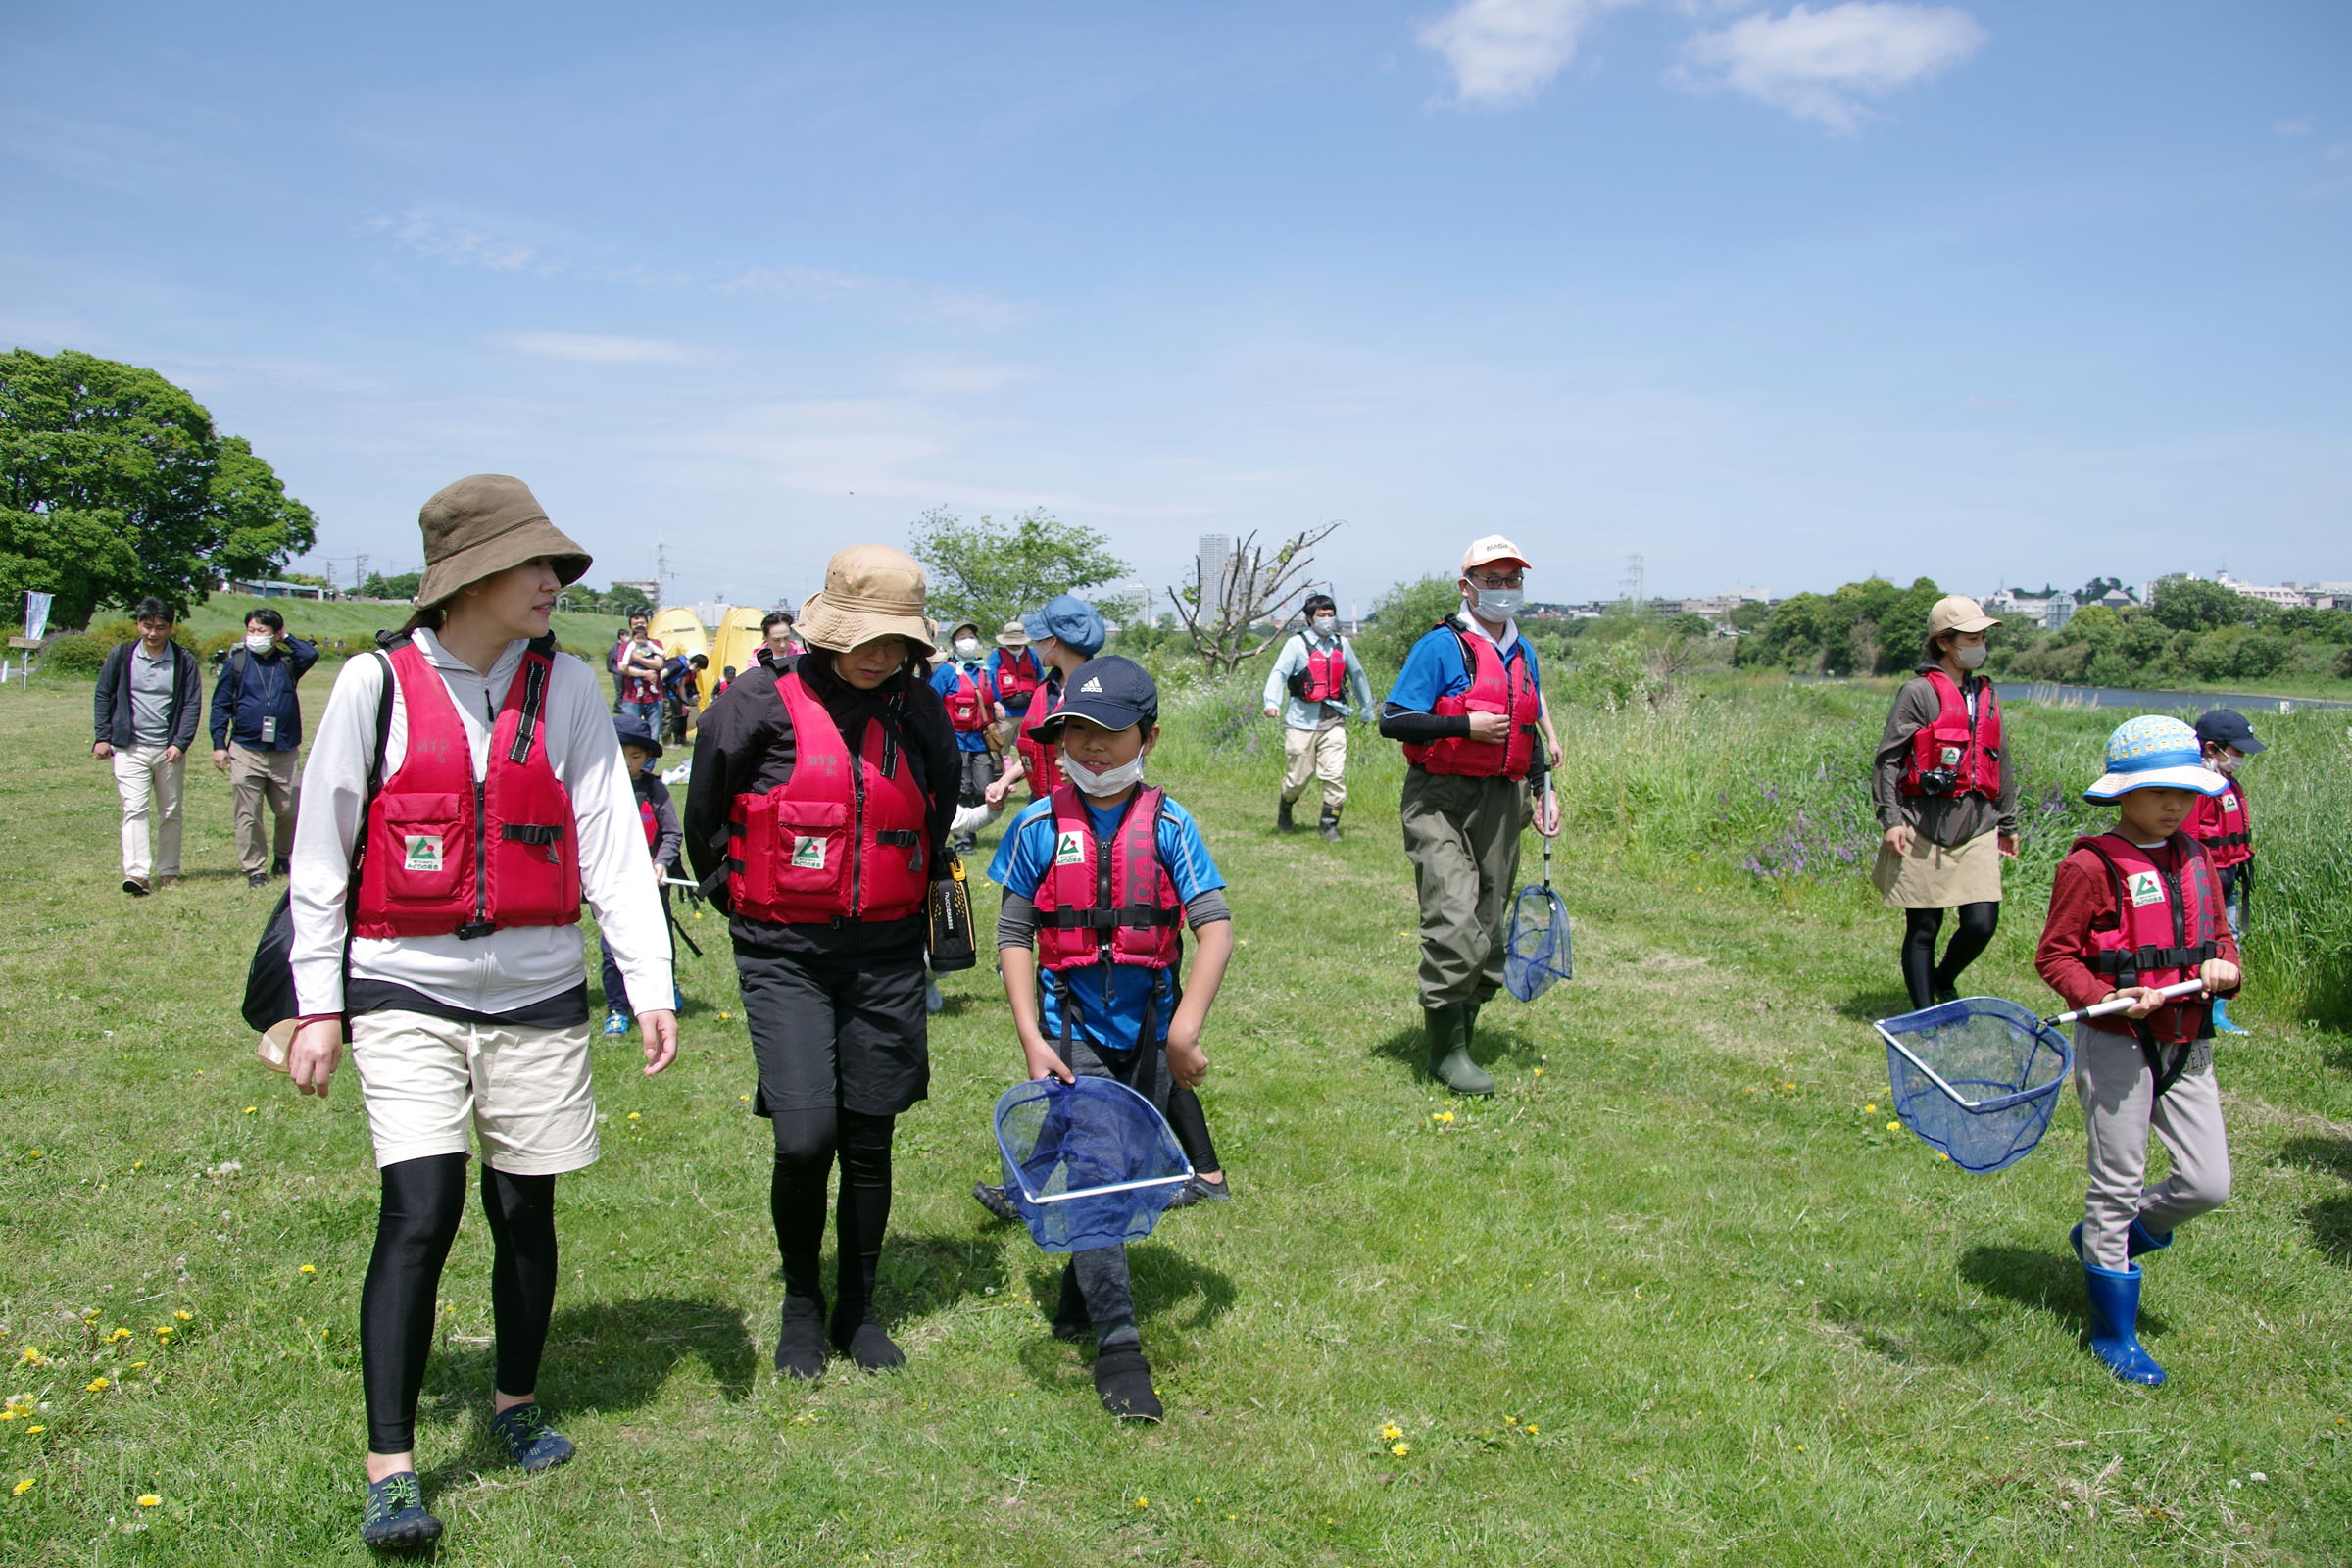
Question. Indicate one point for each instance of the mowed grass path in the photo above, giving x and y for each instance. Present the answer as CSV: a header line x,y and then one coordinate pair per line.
x,y
1675,1293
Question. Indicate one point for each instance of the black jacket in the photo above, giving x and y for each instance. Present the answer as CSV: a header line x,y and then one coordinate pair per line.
x,y
111,707
744,744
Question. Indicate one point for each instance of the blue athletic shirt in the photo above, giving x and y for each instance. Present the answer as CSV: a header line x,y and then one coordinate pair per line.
x,y
1110,996
944,680
1434,669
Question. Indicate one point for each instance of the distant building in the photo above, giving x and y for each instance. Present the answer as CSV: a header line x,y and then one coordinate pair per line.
x,y
2284,595
271,588
2057,610
644,585
1214,558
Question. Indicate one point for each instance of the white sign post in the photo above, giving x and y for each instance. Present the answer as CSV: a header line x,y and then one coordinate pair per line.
x,y
36,621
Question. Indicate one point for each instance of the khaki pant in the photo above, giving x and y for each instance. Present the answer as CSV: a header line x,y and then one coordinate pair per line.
x,y
1462,836
2112,1079
151,790
523,1093
253,779
1320,754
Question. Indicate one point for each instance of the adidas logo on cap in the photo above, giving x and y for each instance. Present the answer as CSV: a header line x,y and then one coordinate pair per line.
x,y
1093,684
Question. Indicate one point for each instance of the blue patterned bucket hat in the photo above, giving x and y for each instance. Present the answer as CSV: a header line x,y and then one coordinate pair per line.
x,y
2152,753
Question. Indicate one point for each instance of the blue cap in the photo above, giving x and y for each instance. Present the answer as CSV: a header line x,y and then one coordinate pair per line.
x,y
2227,726
1067,620
634,731
2154,752
1110,692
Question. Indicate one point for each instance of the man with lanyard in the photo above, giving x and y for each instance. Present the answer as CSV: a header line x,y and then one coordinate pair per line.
x,y
1316,685
972,711
1468,706
1014,676
256,740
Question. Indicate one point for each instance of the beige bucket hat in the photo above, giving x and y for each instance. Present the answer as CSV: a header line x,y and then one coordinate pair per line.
x,y
1958,613
483,524
870,591
1014,634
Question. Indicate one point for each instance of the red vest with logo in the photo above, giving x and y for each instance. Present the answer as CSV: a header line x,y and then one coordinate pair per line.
x,y
1041,763
2220,824
446,852
843,839
2166,924
1497,686
1974,755
1017,675
652,824
1325,677
968,704
1118,903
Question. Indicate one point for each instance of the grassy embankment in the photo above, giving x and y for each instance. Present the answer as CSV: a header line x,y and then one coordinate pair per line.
x,y
1676,1292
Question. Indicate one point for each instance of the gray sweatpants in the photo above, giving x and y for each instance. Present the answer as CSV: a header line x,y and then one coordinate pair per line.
x,y
2112,1078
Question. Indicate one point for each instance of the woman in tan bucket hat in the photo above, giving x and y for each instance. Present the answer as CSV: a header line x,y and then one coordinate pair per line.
x,y
465,794
1946,798
822,796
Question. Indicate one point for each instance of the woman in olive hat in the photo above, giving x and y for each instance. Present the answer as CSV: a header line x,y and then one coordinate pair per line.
x,y
1947,799
822,796
464,794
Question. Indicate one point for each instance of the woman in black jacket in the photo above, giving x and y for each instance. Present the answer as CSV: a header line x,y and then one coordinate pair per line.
x,y
823,790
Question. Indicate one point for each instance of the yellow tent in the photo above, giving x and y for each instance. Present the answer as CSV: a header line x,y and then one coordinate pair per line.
x,y
736,644
680,631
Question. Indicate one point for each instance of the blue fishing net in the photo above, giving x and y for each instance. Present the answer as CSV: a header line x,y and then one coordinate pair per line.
x,y
1537,950
1978,1078
1089,1163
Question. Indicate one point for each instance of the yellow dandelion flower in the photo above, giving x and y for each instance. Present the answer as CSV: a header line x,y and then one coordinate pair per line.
x,y
138,1165
1539,1072
186,1317
22,1488
164,1331
90,1314
250,1110
136,1365
1400,1449
632,1115
1390,1433
148,1499
1532,1429
1142,1502
746,1099
32,1356
1510,1420
1894,1126
9,1414
1869,1110
118,1336
30,1429
722,1017
95,1386
308,1269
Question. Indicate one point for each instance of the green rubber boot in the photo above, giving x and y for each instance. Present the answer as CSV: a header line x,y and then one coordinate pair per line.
x,y
1449,1052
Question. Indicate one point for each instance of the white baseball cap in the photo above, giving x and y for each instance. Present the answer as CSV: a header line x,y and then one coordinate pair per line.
x,y
1490,550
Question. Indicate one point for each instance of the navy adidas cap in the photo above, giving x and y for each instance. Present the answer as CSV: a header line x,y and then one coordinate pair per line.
x,y
1111,692
2227,726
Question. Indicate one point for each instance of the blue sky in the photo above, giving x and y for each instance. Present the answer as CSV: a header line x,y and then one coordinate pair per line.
x,y
1775,295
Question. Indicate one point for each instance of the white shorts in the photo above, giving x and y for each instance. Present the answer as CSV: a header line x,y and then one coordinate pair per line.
x,y
524,1093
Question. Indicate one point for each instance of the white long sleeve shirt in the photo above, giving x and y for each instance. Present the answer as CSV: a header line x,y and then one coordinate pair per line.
x,y
509,968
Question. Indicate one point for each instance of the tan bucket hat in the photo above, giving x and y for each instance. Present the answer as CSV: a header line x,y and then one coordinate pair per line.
x,y
1014,634
483,524
1958,613
870,591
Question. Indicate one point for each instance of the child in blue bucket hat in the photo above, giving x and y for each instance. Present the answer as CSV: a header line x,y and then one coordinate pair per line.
x,y
2132,910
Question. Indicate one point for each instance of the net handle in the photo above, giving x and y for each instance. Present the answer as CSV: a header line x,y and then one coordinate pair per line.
x,y
1112,1187
1935,1077
2119,1004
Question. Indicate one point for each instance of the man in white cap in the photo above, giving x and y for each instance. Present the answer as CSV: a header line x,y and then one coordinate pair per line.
x,y
1469,708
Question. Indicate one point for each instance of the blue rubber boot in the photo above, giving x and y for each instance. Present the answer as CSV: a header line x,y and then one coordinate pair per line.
x,y
2140,1240
2220,1019
2114,1324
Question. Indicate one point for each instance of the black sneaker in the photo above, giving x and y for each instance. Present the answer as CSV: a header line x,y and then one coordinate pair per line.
x,y
281,866
396,1515
135,887
257,879
535,1445
1201,1190
997,1201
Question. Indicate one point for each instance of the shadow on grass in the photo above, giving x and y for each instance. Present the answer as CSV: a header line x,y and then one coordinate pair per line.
x,y
1175,1298
2049,1280
925,1274
2330,1218
1499,1039
1869,1006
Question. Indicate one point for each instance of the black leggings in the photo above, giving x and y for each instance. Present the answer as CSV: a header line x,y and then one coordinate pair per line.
x,y
1191,1126
806,1142
424,1201
1923,977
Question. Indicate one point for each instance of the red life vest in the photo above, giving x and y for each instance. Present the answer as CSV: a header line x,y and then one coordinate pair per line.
x,y
1121,906
1017,675
2220,824
843,839
448,852
1324,679
1041,763
2166,924
1972,755
968,704
653,826
1497,686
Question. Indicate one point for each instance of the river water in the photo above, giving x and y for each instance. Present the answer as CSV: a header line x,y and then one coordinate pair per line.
x,y
2162,702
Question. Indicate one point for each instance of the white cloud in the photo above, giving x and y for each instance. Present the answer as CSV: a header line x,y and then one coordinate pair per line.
x,y
1819,65
601,348
1503,52
462,238
2341,153
2292,127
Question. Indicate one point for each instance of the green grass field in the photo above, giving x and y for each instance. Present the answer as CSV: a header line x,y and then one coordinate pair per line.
x,y
1675,1293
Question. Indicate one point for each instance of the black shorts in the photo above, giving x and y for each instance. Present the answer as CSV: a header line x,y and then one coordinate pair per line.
x,y
845,1033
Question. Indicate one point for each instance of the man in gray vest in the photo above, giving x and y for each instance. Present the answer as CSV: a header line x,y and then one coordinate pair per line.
x,y
143,717
1316,685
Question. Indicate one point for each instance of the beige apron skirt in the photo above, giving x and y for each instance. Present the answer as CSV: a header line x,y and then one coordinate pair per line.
x,y
1934,876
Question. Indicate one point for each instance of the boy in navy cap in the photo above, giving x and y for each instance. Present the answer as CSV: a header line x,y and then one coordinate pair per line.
x,y
2220,823
1099,877
638,747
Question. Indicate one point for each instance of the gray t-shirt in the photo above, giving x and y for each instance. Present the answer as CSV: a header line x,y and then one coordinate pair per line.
x,y
151,696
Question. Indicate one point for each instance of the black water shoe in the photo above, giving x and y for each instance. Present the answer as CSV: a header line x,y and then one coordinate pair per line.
x,y
1123,1378
801,1339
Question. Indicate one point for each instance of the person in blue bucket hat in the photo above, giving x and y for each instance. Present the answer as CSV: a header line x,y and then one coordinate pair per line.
x,y
2132,910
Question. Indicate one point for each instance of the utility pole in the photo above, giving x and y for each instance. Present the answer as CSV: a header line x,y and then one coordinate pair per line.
x,y
359,572
1632,579
662,571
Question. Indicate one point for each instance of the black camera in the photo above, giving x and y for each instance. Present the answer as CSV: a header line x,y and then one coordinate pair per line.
x,y
1938,780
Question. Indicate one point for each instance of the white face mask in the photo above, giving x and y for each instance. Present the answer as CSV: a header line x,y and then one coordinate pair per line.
x,y
2224,761
1968,658
1499,604
1325,625
260,642
968,648
1109,781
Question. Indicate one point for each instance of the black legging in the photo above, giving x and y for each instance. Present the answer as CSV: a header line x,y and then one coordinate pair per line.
x,y
1923,977
806,1144
1191,1126
424,1201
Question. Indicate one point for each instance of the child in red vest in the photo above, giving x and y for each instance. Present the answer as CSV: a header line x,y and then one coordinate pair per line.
x,y
2131,912
1103,997
2220,823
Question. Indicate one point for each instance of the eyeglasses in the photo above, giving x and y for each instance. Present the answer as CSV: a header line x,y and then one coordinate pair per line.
x,y
1494,580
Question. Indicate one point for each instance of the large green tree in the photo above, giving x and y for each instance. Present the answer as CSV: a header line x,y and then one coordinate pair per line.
x,y
114,484
987,571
